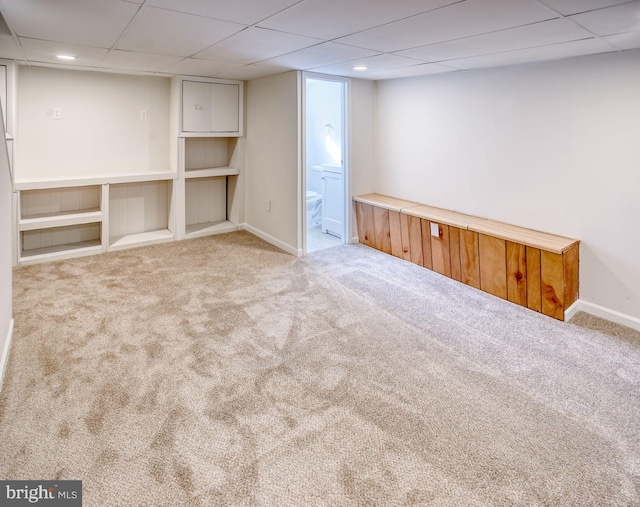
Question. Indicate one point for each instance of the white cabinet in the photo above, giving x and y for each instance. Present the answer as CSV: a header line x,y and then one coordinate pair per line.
x,y
211,107
333,197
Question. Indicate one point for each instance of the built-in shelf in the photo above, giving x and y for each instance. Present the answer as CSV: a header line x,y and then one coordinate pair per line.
x,y
141,239
82,181
139,214
211,172
59,252
60,219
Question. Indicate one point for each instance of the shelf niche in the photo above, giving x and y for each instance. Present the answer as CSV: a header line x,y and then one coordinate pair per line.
x,y
140,214
211,156
60,223
207,203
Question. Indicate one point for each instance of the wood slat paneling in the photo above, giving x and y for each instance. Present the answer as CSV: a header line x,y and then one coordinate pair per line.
x,y
440,252
381,229
369,230
426,244
571,267
469,258
454,247
493,265
516,273
406,243
415,238
395,233
360,221
552,281
534,287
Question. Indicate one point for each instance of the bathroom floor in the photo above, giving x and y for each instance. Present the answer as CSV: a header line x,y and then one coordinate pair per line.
x,y
317,240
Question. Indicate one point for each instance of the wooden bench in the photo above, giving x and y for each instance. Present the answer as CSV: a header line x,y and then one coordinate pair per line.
x,y
533,269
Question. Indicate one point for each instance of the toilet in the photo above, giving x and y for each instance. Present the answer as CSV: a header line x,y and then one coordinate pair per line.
x,y
314,209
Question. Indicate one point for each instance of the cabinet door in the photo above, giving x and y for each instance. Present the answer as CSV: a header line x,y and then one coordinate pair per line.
x,y
225,99
197,112
333,204
210,107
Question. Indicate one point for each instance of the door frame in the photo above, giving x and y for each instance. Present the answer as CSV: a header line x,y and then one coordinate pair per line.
x,y
346,156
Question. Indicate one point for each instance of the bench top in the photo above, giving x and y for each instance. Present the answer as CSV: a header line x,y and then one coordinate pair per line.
x,y
529,237
384,201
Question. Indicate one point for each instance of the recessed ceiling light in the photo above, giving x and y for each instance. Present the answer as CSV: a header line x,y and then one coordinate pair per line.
x,y
66,57
360,67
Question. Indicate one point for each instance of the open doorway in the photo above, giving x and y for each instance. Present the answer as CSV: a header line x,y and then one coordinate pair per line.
x,y
325,162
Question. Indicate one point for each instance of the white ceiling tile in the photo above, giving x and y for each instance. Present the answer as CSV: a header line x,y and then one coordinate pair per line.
x,y
247,72
195,67
63,66
537,34
567,7
328,19
173,33
618,19
255,44
628,40
9,49
464,19
96,23
552,52
44,51
373,64
424,69
246,12
320,55
129,60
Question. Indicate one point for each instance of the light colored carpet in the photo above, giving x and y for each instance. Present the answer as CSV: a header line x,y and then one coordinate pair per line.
x,y
221,371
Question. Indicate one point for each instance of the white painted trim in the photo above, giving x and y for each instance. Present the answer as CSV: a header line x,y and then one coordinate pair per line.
x,y
355,240
5,354
604,313
275,242
570,312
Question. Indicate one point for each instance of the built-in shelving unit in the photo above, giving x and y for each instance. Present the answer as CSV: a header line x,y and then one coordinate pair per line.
x,y
79,206
60,223
211,168
62,218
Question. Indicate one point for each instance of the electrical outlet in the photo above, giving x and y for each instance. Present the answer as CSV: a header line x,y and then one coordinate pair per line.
x,y
143,114
56,113
435,230
268,207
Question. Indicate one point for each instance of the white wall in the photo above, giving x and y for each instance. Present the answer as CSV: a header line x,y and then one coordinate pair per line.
x,y
361,142
553,146
272,158
100,131
6,323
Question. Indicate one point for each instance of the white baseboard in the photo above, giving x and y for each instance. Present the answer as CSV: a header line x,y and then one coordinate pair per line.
x,y
5,353
602,312
355,240
274,241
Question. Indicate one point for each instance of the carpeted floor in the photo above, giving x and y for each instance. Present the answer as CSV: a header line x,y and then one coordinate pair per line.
x,y
221,371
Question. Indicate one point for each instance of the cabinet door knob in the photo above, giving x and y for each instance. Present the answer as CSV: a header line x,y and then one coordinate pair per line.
x,y
199,107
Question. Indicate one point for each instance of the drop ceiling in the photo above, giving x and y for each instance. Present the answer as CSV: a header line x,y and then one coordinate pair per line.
x,y
244,39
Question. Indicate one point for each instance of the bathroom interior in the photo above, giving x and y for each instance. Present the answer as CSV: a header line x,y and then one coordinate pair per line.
x,y
325,178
